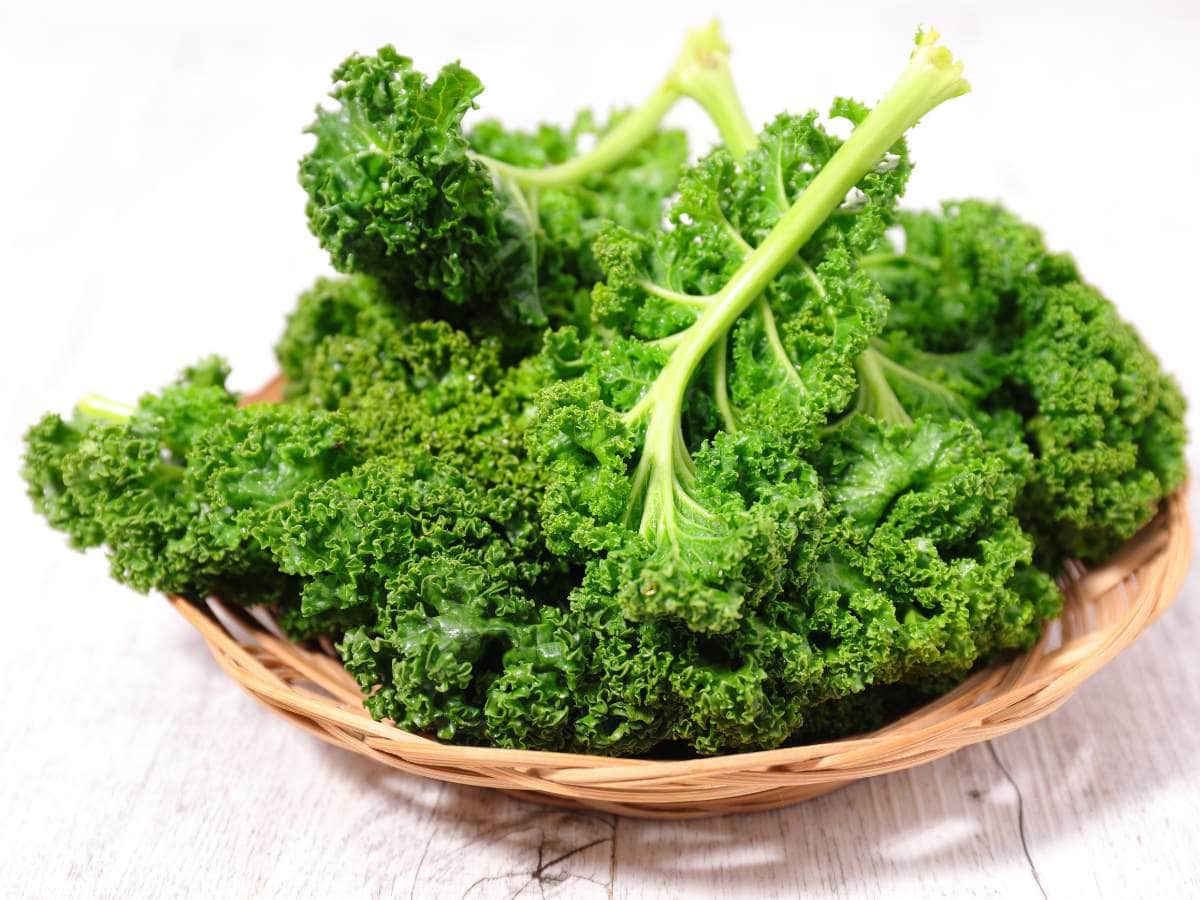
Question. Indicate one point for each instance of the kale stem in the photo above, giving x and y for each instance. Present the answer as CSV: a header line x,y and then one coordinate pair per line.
x,y
876,397
701,72
695,301
931,77
886,364
93,406
720,384
629,134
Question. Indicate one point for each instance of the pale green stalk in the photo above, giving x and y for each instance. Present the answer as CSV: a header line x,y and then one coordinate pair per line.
x,y
931,77
701,72
93,406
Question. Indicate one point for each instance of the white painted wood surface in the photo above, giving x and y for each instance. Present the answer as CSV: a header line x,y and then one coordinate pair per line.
x,y
150,216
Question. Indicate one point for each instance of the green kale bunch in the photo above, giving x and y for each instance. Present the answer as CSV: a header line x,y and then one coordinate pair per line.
x,y
594,451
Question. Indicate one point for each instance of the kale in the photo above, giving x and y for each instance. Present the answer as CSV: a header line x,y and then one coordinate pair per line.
x,y
986,323
592,450
485,228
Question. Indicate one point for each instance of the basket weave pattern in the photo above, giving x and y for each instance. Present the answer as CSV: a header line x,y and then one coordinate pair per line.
x,y
1105,610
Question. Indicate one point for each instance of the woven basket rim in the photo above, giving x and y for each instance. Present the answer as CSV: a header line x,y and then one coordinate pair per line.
x,y
1105,609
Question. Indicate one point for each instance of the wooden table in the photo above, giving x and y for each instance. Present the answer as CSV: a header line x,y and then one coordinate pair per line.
x,y
131,767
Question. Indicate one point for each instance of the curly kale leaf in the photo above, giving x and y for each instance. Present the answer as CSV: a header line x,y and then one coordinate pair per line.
x,y
423,387
195,496
568,217
492,230
358,536
461,653
395,193
1105,424
627,479
927,521
987,323
955,278
49,443
354,306
122,478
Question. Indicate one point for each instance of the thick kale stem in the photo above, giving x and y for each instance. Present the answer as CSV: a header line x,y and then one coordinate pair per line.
x,y
665,455
629,134
670,342
931,77
701,72
93,406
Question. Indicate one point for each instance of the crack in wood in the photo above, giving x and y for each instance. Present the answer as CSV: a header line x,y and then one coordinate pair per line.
x,y
612,863
1020,816
542,867
486,878
541,874
425,852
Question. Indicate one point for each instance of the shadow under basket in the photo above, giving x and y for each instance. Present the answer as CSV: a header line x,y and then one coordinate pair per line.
x,y
1104,611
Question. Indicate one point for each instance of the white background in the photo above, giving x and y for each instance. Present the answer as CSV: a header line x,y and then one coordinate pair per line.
x,y
149,215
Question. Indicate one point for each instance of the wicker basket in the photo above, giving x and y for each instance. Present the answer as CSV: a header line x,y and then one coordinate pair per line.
x,y
1104,612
